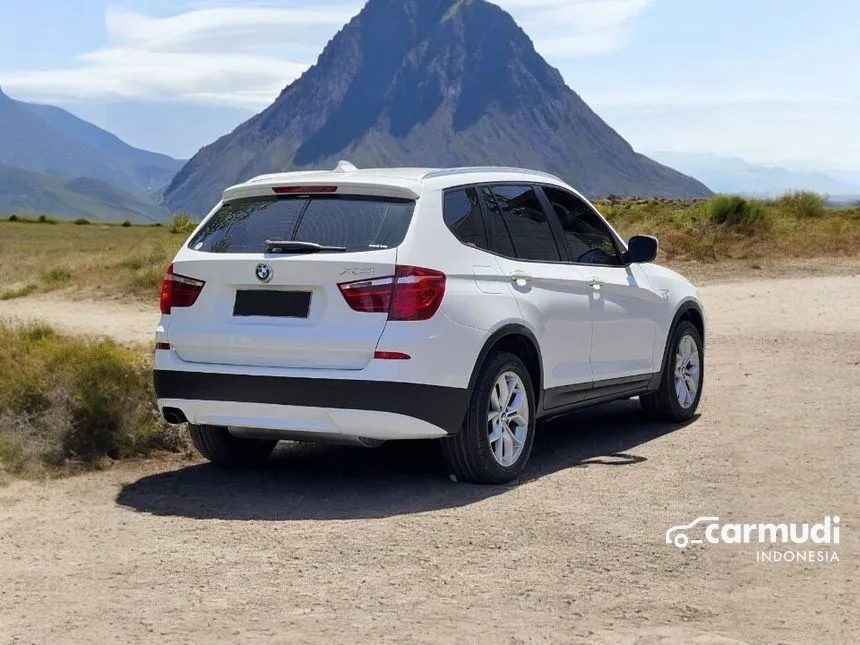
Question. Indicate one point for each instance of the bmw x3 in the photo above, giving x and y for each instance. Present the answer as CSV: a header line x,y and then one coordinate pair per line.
x,y
461,305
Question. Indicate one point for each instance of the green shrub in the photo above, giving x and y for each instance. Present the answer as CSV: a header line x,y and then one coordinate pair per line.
x,y
70,401
736,212
803,204
20,292
182,224
609,210
82,222
126,224
56,277
44,219
13,218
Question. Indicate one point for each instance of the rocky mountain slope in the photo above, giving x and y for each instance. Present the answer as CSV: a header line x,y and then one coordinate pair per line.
x,y
428,83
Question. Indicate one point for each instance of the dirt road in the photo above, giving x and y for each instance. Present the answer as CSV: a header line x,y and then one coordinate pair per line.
x,y
344,545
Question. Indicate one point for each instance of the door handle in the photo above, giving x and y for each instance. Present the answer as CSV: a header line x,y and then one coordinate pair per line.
x,y
521,279
595,284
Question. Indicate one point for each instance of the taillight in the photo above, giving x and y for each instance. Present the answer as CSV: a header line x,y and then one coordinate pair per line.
x,y
411,294
369,296
178,290
418,293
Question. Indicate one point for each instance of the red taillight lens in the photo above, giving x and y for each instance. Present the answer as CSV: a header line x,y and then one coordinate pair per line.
x,y
418,293
412,294
368,296
179,290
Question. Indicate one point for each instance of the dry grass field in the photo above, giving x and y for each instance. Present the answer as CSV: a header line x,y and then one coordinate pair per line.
x,y
127,263
92,261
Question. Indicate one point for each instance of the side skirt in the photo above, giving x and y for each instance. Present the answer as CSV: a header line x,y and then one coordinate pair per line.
x,y
568,399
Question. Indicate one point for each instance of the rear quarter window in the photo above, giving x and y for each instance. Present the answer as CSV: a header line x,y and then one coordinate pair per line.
x,y
356,222
463,217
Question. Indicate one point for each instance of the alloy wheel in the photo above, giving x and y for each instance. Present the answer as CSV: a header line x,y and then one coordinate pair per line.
x,y
508,419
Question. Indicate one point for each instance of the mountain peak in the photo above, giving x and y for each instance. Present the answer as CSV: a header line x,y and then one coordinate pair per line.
x,y
428,83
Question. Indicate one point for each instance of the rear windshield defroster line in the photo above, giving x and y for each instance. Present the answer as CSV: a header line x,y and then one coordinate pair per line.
x,y
354,222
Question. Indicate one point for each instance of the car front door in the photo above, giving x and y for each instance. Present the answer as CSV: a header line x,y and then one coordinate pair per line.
x,y
553,295
622,304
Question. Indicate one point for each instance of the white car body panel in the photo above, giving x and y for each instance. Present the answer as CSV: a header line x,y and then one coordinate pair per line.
x,y
554,301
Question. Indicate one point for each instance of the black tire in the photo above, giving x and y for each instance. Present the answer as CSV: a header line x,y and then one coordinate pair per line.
x,y
468,453
663,405
223,449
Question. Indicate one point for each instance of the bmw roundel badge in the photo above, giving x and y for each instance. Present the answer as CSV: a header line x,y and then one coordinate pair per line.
x,y
264,273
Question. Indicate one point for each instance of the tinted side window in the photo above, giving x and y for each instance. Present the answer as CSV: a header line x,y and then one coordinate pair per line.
x,y
497,230
463,217
530,230
588,238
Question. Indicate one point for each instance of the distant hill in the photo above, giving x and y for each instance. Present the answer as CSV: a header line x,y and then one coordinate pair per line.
x,y
733,175
23,191
47,139
429,83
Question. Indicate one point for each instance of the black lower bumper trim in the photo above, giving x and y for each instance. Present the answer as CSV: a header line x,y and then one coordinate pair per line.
x,y
444,407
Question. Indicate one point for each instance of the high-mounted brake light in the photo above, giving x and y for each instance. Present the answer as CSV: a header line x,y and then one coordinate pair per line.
x,y
303,190
412,294
179,290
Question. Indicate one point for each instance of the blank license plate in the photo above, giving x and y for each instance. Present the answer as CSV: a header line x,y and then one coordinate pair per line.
x,y
279,304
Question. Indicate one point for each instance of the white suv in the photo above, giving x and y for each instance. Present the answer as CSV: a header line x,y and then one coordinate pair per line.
x,y
462,305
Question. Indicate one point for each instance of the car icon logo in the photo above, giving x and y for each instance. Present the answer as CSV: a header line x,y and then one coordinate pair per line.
x,y
264,273
677,534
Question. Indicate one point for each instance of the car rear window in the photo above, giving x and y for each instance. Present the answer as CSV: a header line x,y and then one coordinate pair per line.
x,y
356,222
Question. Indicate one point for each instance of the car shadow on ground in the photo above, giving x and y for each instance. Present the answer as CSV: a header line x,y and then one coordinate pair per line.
x,y
314,482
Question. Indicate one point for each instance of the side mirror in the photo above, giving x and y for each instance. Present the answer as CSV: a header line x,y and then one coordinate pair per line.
x,y
642,249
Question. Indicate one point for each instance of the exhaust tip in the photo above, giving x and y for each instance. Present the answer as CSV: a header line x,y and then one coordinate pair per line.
x,y
174,416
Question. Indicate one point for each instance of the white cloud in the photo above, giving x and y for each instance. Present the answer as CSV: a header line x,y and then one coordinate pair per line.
x,y
577,27
212,55
230,28
242,55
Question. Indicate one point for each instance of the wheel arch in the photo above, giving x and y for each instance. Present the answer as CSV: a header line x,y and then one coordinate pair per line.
x,y
519,340
688,310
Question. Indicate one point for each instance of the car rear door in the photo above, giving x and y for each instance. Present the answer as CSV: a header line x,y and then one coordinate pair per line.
x,y
553,296
286,310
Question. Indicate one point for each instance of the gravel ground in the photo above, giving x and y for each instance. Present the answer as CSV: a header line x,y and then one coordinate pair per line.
x,y
337,544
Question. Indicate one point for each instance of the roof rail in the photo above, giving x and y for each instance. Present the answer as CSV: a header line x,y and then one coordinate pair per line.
x,y
446,172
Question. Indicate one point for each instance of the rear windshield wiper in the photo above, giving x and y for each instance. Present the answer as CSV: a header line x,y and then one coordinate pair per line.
x,y
291,246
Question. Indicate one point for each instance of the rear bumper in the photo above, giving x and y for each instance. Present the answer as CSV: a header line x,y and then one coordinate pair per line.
x,y
288,422
359,408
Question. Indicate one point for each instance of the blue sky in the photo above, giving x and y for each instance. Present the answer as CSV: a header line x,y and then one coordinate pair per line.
x,y
767,80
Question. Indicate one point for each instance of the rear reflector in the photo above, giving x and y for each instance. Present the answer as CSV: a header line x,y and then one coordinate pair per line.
x,y
179,291
391,356
303,190
413,294
162,346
